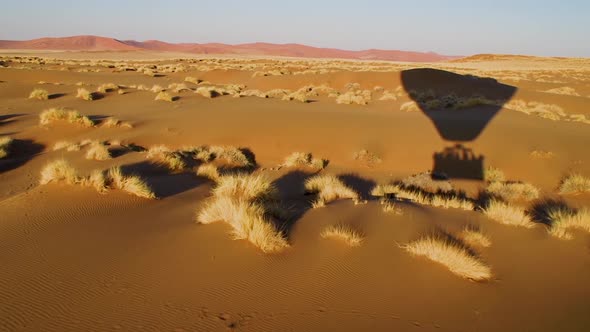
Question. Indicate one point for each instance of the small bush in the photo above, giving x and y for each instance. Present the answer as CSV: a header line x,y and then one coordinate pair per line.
x,y
458,259
574,184
299,159
510,191
98,151
84,94
61,114
343,233
5,143
507,214
564,220
39,94
329,188
164,96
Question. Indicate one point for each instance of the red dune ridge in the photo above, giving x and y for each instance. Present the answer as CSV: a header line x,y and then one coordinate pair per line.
x,y
96,43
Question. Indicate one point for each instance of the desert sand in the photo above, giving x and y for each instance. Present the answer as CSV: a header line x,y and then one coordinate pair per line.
x,y
493,128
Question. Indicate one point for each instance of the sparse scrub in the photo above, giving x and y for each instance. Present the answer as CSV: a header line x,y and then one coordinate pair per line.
x,y
492,174
5,143
98,151
298,159
39,94
164,96
507,214
129,183
425,182
113,123
209,171
409,106
59,171
510,191
84,94
563,221
329,188
67,145
389,206
574,184
368,158
107,87
244,201
360,97
173,160
566,90
231,155
458,259
61,114
474,237
343,233
192,80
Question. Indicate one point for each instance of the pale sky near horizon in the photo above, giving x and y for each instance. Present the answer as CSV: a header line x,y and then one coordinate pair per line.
x,y
452,27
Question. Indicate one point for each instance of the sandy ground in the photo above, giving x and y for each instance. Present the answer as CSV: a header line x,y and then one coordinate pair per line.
x,y
77,260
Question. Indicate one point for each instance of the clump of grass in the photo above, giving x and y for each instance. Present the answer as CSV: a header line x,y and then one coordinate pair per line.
x,y
458,259
329,188
173,160
114,122
209,171
390,206
574,184
492,174
59,171
231,154
540,154
157,88
507,214
416,195
244,202
360,97
107,87
298,159
474,237
565,90
164,96
409,106
5,143
61,114
84,94
67,145
366,157
246,186
564,220
510,191
192,80
424,181
98,151
130,183
39,94
343,233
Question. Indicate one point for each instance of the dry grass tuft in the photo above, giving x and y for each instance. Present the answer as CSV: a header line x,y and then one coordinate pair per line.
x,y
244,201
563,221
452,255
565,90
209,171
329,188
67,145
39,94
173,160
574,184
231,155
492,174
98,151
368,158
164,96
359,97
425,182
5,143
343,233
511,191
390,206
507,214
444,200
113,123
84,94
59,171
474,237
107,87
61,114
298,159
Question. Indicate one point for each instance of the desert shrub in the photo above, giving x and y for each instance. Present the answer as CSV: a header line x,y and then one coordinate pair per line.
x,y
98,151
5,143
300,159
368,158
507,214
474,237
343,233
458,259
360,97
564,220
39,94
492,174
61,114
510,191
164,96
59,171
84,94
114,122
67,145
574,184
329,188
424,181
107,87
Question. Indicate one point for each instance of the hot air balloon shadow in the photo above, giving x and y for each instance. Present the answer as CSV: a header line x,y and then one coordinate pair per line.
x,y
460,107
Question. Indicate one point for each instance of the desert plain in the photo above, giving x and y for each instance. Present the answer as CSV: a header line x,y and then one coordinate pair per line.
x,y
150,191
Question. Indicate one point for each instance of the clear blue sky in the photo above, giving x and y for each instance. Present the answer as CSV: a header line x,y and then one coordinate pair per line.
x,y
454,27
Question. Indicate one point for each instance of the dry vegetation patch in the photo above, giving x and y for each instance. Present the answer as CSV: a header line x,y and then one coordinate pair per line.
x,y
5,143
39,94
451,254
564,220
343,233
61,114
246,203
299,159
84,94
574,184
329,188
507,214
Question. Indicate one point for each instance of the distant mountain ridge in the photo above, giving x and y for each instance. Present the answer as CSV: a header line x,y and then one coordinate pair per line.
x,y
96,43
